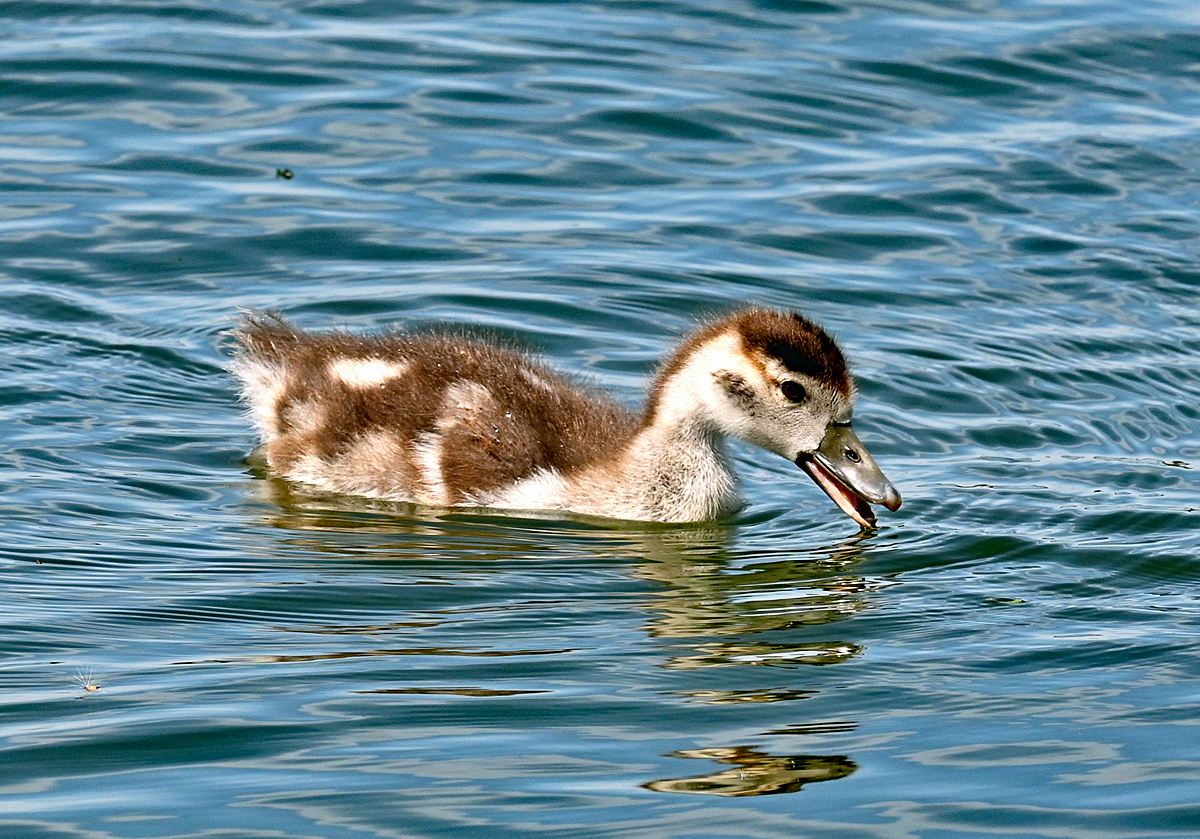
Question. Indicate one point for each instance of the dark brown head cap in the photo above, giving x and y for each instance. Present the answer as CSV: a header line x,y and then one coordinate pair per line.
x,y
799,344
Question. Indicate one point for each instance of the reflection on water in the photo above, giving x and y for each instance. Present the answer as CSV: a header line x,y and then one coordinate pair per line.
x,y
452,691
725,655
755,772
420,652
706,602
707,591
703,588
740,697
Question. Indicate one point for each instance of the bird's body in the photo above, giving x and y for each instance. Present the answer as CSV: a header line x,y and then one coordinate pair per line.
x,y
444,421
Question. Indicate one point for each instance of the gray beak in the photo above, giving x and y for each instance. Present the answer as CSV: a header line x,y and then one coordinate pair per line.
x,y
849,475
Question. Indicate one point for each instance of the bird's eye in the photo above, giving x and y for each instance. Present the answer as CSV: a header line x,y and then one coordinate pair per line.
x,y
793,391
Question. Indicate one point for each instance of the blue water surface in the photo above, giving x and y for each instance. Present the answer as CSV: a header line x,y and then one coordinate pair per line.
x,y
993,204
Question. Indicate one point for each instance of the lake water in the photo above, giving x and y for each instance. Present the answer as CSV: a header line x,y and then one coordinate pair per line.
x,y
994,206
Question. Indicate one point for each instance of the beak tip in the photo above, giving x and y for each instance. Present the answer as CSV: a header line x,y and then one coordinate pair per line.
x,y
892,500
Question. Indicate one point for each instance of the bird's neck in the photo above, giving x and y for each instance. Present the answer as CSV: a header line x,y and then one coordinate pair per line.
x,y
678,461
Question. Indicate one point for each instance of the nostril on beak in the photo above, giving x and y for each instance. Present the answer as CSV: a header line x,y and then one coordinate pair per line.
x,y
852,456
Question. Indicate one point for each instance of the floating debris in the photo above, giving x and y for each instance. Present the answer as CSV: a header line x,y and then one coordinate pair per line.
x,y
86,679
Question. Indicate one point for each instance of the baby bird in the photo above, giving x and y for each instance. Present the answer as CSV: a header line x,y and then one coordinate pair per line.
x,y
444,421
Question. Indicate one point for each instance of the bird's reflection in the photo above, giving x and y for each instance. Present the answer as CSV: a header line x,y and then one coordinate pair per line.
x,y
733,599
754,772
728,601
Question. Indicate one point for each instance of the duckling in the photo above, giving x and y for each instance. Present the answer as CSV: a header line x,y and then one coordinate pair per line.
x,y
444,421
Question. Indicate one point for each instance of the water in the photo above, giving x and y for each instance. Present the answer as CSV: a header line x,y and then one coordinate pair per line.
x,y
992,204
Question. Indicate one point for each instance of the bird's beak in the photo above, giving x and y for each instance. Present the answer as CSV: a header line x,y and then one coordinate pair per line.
x,y
842,467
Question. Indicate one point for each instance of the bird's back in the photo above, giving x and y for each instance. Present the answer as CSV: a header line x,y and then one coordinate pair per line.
x,y
431,419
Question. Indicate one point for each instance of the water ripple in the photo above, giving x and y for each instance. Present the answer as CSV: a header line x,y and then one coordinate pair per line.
x,y
991,205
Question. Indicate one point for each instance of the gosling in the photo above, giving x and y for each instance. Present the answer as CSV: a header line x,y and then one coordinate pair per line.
x,y
449,422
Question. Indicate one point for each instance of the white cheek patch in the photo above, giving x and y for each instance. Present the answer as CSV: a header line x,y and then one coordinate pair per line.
x,y
365,373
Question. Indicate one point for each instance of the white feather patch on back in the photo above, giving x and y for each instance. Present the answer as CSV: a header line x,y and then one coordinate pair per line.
x,y
365,372
462,403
